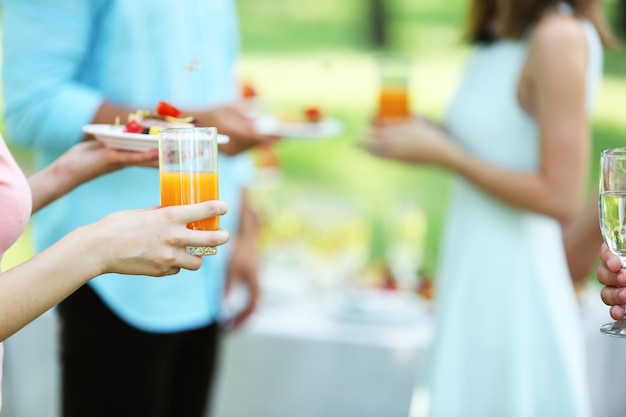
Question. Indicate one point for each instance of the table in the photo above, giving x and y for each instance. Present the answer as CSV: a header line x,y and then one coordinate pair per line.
x,y
298,359
292,358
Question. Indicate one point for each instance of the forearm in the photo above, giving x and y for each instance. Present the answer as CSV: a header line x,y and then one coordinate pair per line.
x,y
249,222
83,162
30,289
50,184
245,240
529,190
582,238
108,113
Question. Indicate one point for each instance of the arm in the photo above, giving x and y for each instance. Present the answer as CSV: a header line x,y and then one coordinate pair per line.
x,y
581,238
45,105
135,242
244,264
556,97
83,162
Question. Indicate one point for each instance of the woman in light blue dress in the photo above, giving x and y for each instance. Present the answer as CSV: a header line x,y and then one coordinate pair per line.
x,y
516,134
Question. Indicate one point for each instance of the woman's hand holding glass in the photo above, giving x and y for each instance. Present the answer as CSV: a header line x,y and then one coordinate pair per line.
x,y
143,241
418,140
149,241
613,277
612,208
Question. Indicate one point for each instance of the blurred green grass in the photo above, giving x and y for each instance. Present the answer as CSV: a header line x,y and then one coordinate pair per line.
x,y
318,52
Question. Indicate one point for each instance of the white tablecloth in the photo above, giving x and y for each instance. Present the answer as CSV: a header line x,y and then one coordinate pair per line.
x,y
302,359
293,358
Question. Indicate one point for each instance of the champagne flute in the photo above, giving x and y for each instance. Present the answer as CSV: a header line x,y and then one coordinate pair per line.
x,y
612,208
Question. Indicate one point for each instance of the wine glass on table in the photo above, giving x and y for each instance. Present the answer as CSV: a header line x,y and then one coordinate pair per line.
x,y
612,208
405,237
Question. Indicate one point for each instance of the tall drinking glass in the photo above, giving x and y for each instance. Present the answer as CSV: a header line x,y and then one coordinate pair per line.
x,y
393,95
188,173
612,193
405,237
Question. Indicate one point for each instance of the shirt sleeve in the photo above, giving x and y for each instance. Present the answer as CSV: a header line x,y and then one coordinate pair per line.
x,y
44,43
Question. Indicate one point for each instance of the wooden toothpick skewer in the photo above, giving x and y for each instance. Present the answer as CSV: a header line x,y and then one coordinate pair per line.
x,y
192,66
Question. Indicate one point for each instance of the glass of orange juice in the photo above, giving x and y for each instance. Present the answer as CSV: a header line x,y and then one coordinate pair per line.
x,y
188,173
393,96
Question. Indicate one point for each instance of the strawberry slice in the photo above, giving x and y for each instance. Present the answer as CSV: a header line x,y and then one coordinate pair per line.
x,y
247,91
313,114
134,126
165,109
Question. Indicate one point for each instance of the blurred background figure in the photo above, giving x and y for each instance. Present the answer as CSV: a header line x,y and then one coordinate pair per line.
x,y
502,263
147,349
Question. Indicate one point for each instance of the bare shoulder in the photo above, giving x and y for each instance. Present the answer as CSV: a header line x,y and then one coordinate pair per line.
x,y
558,33
556,65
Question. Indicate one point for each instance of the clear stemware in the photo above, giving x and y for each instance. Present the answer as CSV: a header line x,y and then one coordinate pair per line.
x,y
612,209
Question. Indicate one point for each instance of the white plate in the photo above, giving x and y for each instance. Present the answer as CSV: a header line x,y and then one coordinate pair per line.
x,y
271,125
115,137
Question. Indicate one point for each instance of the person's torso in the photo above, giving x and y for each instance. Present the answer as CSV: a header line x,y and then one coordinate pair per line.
x,y
141,50
15,200
485,116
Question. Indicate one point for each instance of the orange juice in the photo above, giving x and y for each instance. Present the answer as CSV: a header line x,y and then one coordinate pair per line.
x,y
178,188
393,103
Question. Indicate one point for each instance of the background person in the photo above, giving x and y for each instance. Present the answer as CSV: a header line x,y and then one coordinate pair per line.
x,y
516,135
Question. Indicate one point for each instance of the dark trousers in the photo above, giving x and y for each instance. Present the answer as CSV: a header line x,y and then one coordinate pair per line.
x,y
112,369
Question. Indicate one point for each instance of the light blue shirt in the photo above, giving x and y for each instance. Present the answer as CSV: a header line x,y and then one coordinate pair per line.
x,y
61,58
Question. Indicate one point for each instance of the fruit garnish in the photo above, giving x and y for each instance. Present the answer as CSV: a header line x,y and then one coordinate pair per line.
x,y
313,114
134,126
154,130
180,120
426,288
165,109
247,91
389,283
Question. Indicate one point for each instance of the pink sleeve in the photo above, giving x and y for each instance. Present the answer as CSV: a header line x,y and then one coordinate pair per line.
x,y
1,355
16,199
